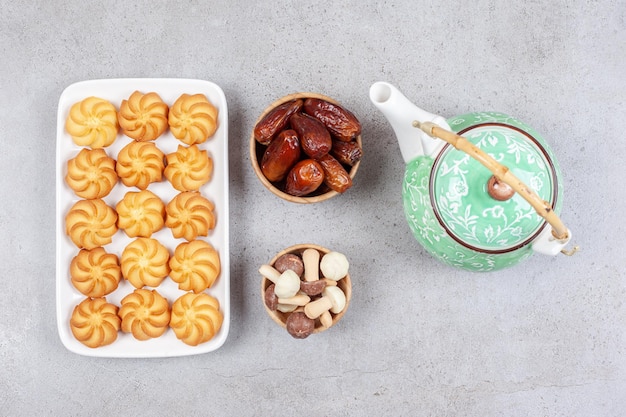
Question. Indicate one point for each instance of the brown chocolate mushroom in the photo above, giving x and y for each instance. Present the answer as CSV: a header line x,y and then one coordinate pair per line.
x,y
289,261
312,288
271,300
299,325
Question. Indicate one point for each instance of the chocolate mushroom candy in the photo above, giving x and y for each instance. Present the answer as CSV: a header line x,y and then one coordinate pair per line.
x,y
311,284
287,284
332,299
272,301
313,288
286,308
334,266
269,272
326,319
311,261
297,300
299,325
289,261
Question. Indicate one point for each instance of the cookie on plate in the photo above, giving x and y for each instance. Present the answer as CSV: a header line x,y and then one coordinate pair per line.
x,y
92,122
196,318
195,266
145,314
190,215
140,213
91,174
95,273
95,323
139,164
192,119
91,223
145,262
189,168
143,117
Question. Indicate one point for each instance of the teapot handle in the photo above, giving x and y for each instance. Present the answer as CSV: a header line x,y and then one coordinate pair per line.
x,y
502,174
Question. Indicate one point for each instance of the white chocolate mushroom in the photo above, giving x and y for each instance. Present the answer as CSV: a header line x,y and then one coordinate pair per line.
x,y
311,261
287,284
334,265
286,308
332,299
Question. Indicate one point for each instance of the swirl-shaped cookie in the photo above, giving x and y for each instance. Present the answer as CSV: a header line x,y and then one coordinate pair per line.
x,y
193,119
145,262
91,173
140,213
92,122
139,164
195,266
196,318
91,223
145,314
188,168
190,215
95,322
143,117
95,273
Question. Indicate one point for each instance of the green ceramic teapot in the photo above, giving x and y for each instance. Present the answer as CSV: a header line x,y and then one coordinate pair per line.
x,y
481,191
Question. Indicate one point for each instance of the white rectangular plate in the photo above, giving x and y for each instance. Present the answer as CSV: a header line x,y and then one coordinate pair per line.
x,y
217,191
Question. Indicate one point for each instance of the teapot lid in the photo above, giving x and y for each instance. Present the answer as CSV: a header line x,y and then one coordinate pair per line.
x,y
475,209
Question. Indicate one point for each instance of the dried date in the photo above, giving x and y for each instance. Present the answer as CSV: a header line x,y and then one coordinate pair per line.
x,y
304,178
341,123
348,153
281,154
314,137
275,121
335,175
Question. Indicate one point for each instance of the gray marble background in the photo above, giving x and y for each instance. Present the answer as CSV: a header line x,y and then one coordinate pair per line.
x,y
545,338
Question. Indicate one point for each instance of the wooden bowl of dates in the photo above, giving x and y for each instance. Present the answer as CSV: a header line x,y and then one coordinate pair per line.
x,y
306,148
306,289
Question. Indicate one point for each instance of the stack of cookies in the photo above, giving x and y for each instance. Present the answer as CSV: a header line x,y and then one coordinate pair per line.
x,y
92,224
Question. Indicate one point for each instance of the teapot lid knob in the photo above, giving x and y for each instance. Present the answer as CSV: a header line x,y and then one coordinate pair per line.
x,y
499,190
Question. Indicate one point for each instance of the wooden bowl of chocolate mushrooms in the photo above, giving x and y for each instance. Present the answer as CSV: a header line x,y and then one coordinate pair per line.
x,y
306,148
306,289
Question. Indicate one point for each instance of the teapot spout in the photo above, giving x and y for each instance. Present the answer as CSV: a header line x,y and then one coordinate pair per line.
x,y
401,114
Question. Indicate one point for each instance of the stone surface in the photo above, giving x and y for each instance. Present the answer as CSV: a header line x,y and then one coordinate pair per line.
x,y
543,338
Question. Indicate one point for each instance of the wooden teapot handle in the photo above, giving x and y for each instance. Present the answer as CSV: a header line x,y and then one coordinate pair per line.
x,y
501,173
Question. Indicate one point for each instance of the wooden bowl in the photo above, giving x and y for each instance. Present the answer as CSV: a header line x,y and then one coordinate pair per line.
x,y
257,150
345,284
